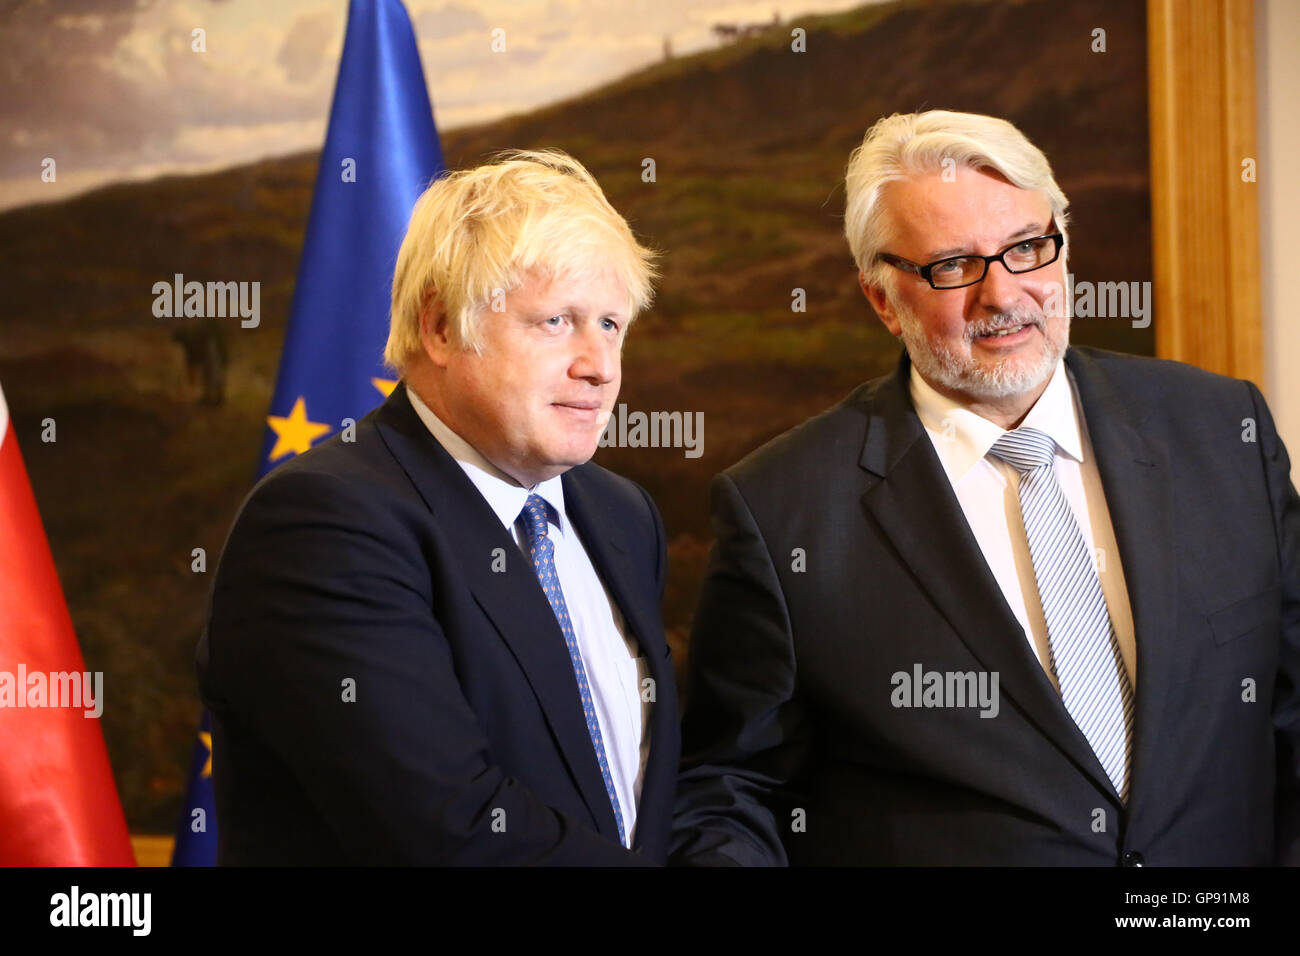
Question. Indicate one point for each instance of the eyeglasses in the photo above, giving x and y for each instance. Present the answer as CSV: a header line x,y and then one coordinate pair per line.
x,y
955,272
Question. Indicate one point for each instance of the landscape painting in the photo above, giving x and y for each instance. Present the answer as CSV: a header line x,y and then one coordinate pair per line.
x,y
728,160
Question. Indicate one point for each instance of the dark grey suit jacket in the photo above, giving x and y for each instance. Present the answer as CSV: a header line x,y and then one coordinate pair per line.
x,y
843,557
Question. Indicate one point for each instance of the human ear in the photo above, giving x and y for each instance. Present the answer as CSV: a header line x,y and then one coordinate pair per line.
x,y
434,332
879,300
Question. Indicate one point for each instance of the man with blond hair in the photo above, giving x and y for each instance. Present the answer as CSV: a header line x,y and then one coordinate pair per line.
x,y
440,642
1014,603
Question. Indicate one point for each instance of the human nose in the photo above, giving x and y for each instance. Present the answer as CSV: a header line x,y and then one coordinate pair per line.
x,y
596,357
999,290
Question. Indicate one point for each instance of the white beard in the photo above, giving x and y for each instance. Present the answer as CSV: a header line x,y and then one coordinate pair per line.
x,y
945,366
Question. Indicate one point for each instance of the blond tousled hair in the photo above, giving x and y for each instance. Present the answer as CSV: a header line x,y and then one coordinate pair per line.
x,y
476,234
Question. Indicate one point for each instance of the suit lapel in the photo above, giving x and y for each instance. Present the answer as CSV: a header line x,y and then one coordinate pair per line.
x,y
513,600
1135,478
627,577
914,505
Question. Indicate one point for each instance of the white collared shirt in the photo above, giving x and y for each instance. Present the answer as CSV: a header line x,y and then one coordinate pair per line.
x,y
988,490
610,655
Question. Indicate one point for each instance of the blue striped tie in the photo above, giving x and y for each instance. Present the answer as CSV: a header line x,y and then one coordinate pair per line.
x,y
1084,650
542,551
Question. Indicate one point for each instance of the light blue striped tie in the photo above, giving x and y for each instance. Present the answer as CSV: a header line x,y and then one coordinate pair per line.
x,y
535,519
1084,649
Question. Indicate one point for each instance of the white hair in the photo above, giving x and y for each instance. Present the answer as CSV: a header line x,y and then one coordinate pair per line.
x,y
911,144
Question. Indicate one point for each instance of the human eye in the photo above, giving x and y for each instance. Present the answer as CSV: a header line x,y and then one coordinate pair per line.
x,y
1029,251
949,267
609,325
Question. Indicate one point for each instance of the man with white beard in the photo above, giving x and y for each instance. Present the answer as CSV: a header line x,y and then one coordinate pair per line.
x,y
1115,539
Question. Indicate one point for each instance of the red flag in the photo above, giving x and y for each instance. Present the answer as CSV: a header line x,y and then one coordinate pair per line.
x,y
58,802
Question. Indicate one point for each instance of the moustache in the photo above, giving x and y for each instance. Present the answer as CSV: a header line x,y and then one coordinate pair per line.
x,y
1004,320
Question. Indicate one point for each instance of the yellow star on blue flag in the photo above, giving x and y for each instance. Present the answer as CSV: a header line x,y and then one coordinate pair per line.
x,y
205,738
294,433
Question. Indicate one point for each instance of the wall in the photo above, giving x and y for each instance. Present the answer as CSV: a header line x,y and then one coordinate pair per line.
x,y
1278,91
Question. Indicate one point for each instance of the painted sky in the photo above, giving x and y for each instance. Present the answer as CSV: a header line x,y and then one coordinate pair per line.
x,y
112,89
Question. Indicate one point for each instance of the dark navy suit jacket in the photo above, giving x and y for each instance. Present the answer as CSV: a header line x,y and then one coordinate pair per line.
x,y
382,692
843,557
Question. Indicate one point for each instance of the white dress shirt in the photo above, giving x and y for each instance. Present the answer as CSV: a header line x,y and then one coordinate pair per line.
x,y
610,655
988,490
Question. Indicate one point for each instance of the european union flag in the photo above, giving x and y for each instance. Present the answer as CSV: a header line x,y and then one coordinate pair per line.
x,y
381,151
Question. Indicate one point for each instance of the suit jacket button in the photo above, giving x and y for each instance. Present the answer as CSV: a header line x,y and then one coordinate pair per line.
x,y
1133,858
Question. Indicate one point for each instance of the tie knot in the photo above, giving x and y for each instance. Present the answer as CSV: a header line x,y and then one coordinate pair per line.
x,y
535,516
1025,449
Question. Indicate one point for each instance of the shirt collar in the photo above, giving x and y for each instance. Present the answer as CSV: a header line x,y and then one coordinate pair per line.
x,y
962,438
505,496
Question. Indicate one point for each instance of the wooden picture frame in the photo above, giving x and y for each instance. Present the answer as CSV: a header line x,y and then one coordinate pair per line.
x,y
1204,197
